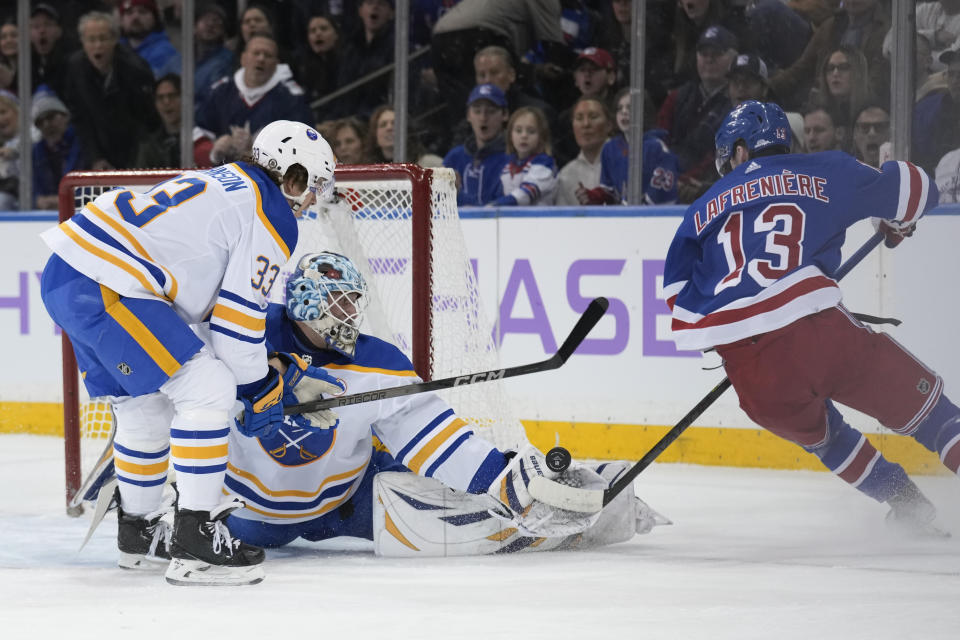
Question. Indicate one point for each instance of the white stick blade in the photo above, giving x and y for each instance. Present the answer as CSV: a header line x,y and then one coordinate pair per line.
x,y
564,497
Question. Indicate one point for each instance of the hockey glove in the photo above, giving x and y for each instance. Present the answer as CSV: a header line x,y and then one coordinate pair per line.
x,y
531,516
262,409
894,233
305,383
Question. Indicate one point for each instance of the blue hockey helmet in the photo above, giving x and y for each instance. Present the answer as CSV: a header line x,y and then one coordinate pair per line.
x,y
329,294
758,125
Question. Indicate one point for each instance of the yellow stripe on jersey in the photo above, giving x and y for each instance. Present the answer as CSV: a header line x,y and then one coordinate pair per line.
x,y
138,331
199,453
386,372
239,318
293,493
116,226
140,469
428,449
262,215
103,255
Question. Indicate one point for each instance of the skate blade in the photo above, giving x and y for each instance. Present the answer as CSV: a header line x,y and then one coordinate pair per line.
x,y
191,573
141,562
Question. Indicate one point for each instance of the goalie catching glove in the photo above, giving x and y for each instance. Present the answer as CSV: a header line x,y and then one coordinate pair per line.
x,y
301,382
531,516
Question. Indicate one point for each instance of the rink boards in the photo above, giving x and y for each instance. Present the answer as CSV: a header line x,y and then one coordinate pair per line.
x,y
537,268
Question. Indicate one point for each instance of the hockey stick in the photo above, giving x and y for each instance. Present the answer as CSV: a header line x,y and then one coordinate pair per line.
x,y
591,501
585,324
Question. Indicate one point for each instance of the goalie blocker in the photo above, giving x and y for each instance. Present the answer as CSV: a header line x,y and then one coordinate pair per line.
x,y
417,516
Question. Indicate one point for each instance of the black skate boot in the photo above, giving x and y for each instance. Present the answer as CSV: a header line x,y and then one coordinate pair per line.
x,y
912,513
144,541
204,553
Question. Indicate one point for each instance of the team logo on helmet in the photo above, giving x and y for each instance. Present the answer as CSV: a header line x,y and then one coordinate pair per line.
x,y
312,134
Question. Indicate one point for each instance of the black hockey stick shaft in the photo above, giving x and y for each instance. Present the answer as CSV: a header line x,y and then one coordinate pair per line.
x,y
588,320
717,391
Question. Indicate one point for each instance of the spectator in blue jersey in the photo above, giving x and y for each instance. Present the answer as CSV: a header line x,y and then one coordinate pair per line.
x,y
748,274
143,31
530,175
56,153
259,92
480,160
109,91
214,60
660,171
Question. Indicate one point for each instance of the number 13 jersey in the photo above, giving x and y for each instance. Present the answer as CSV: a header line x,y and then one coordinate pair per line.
x,y
209,243
753,253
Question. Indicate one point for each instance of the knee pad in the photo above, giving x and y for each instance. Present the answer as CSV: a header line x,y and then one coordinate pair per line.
x,y
143,421
203,389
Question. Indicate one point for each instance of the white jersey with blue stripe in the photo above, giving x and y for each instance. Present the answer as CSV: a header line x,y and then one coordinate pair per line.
x,y
301,474
755,252
209,243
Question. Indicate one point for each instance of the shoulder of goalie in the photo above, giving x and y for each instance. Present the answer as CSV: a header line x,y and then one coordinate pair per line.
x,y
417,516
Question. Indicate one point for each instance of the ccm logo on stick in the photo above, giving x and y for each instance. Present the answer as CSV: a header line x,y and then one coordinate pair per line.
x,y
478,377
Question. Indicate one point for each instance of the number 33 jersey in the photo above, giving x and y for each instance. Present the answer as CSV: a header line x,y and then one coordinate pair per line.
x,y
753,253
210,244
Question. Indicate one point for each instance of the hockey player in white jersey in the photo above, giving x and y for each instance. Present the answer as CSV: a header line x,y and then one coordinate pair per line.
x,y
316,479
163,295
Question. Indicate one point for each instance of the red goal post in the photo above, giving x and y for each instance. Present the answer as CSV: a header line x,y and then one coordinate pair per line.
x,y
399,223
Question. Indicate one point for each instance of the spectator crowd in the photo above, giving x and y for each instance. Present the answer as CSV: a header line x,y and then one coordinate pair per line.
x,y
527,100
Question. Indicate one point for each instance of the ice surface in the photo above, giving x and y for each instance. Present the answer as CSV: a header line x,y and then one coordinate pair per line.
x,y
753,554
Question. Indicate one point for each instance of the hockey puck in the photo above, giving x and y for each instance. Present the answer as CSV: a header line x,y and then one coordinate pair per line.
x,y
558,459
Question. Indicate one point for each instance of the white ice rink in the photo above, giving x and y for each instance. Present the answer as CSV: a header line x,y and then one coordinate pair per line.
x,y
753,554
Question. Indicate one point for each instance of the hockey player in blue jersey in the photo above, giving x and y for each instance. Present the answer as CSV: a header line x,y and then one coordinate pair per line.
x,y
163,296
748,274
309,478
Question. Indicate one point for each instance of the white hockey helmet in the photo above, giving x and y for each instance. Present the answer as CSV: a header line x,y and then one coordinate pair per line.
x,y
284,143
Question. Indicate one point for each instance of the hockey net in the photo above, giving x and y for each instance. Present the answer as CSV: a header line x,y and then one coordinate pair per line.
x,y
400,225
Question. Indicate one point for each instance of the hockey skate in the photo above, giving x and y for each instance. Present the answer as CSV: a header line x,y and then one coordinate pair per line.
x,y
144,541
911,512
204,553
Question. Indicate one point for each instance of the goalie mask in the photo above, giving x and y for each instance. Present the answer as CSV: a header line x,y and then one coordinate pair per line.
x,y
328,293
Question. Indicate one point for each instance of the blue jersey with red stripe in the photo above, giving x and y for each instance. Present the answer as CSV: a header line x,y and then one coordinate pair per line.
x,y
751,254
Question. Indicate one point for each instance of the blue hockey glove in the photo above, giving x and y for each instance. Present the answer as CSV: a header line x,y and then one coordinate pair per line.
x,y
262,408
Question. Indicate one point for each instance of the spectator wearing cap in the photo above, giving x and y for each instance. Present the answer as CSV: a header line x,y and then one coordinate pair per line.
x,y
480,160
213,59
860,24
143,31
364,51
260,91
936,118
692,113
51,48
56,153
594,76
747,79
109,91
